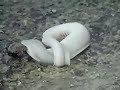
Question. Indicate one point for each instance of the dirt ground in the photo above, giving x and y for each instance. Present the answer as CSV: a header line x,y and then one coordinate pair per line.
x,y
97,68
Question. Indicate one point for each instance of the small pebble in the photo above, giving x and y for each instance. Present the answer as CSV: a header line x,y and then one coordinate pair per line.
x,y
79,59
54,11
25,22
71,85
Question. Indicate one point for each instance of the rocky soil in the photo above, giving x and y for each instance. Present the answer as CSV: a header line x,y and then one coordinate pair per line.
x,y
97,68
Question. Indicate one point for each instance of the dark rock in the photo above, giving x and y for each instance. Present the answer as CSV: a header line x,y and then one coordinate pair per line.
x,y
17,49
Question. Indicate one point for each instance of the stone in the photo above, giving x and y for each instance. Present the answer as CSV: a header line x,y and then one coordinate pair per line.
x,y
17,49
54,10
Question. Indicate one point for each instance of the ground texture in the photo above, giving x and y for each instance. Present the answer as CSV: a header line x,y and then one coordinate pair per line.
x,y
97,68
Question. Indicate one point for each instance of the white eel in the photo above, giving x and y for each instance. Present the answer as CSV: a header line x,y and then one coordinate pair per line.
x,y
65,42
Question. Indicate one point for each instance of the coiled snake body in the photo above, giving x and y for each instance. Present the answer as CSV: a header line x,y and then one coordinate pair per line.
x,y
65,42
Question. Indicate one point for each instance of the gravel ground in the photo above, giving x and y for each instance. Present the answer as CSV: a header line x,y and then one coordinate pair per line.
x,y
97,68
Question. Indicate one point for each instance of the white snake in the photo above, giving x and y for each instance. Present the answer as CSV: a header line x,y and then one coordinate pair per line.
x,y
65,42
